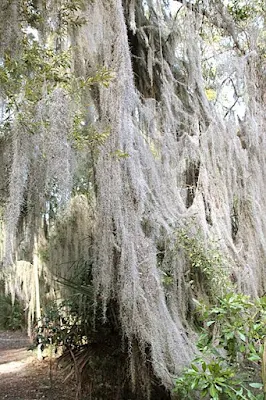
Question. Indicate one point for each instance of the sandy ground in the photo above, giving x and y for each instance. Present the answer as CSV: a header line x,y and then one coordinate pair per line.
x,y
23,377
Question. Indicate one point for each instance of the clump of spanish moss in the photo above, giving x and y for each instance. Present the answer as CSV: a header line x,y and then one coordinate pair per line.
x,y
177,152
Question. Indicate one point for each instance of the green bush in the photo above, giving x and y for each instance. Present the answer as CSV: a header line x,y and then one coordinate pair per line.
x,y
11,314
61,326
232,344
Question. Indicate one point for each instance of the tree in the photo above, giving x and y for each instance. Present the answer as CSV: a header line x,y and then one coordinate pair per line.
x,y
158,118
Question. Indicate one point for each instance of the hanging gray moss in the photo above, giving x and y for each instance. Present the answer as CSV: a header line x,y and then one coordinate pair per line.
x,y
172,155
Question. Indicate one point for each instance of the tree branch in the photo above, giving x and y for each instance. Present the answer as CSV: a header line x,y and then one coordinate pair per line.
x,y
225,22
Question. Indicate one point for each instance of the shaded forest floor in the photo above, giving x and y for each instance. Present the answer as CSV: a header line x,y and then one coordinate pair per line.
x,y
23,377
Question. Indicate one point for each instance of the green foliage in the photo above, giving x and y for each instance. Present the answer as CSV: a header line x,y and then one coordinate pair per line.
x,y
212,380
119,154
25,80
61,326
37,64
86,134
67,14
232,343
205,262
238,325
245,10
239,10
102,76
30,13
167,279
66,323
40,68
11,314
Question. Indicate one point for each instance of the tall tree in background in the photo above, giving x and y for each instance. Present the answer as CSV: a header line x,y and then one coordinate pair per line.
x,y
133,137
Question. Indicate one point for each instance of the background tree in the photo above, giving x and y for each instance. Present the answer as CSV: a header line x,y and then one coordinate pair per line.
x,y
147,119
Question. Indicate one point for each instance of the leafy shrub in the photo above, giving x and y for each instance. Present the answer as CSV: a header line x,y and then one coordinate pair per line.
x,y
206,263
232,343
61,326
213,380
11,314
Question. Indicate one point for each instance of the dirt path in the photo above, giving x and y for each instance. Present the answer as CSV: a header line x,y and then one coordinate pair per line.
x,y
23,377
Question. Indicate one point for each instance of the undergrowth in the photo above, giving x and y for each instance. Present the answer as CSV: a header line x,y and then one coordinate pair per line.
x,y
11,314
207,266
232,348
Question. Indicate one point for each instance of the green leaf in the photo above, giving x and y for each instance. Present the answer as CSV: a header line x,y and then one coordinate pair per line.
x,y
242,336
213,392
193,366
254,357
209,323
194,384
218,387
256,385
229,335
